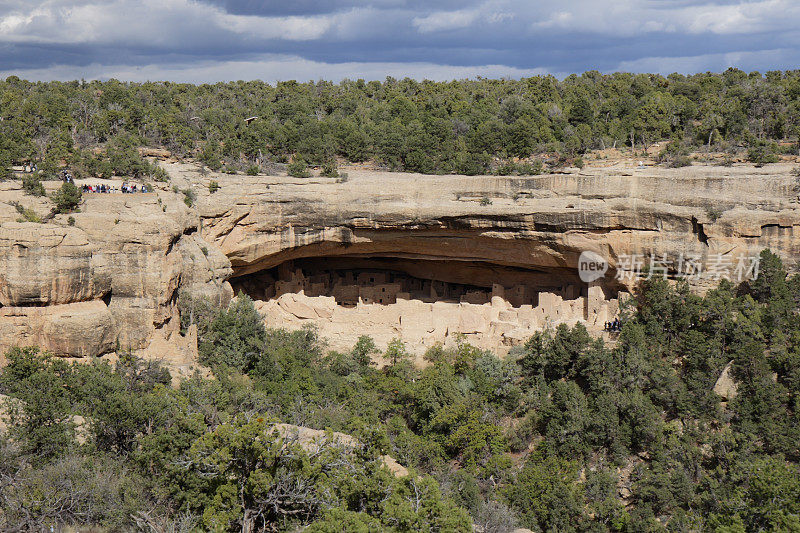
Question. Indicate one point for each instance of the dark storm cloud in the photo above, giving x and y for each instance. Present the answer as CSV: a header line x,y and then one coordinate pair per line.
x,y
212,40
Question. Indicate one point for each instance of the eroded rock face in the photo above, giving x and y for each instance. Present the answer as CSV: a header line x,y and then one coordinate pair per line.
x,y
76,329
108,281
539,223
477,230
113,278
49,265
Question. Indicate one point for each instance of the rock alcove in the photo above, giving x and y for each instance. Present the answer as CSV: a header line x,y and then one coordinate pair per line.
x,y
423,301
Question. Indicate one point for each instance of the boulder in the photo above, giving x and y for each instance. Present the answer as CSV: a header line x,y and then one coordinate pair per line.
x,y
294,305
312,439
726,386
76,329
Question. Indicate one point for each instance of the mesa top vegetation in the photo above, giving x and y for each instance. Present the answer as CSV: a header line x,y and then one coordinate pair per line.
x,y
457,126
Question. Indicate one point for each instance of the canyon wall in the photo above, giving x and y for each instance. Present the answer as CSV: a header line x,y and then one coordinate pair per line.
x,y
105,278
538,224
109,277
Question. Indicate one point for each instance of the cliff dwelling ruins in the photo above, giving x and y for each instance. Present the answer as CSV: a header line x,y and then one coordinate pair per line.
x,y
423,302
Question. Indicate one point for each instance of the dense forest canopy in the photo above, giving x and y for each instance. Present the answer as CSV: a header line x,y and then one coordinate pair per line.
x,y
458,126
566,434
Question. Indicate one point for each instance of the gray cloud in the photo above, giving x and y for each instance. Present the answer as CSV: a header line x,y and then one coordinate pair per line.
x,y
196,40
318,7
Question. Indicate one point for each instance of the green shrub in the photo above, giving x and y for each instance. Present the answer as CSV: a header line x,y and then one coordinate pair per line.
x,y
124,158
99,166
506,169
5,164
681,161
762,153
67,198
329,170
545,494
32,185
48,168
40,421
75,489
298,168
189,197
213,186
675,155
471,164
419,161
195,310
210,156
253,170
157,173
235,336
28,214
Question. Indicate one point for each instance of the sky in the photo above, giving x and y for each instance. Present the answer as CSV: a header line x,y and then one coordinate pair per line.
x,y
219,40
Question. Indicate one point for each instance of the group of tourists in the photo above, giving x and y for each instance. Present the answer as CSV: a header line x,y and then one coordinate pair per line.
x,y
125,188
66,176
613,326
97,188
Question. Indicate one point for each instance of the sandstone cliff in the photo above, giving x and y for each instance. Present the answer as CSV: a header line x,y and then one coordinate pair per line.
x,y
485,230
539,223
108,280
111,279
